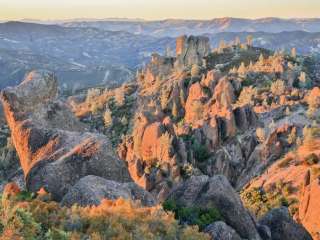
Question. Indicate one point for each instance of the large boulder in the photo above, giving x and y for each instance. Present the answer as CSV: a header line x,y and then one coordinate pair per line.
x,y
90,190
54,148
283,227
221,231
216,192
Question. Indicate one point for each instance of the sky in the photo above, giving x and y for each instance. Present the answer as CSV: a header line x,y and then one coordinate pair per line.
x,y
156,9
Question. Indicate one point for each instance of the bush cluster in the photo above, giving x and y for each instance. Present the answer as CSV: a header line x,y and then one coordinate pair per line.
x,y
27,217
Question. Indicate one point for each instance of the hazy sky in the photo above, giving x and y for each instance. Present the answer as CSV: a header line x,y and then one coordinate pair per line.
x,y
157,9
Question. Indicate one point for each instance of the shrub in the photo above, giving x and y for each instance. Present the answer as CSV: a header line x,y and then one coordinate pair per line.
x,y
261,134
201,217
120,219
246,96
286,161
311,159
278,87
292,137
201,152
260,200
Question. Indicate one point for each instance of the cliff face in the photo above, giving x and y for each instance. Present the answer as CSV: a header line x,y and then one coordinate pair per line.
x,y
54,148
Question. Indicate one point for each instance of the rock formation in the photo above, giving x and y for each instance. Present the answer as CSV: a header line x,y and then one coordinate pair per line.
x,y
191,50
54,148
217,192
221,231
90,190
282,226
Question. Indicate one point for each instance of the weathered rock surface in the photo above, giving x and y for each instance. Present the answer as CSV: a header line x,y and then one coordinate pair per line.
x,y
54,148
90,190
283,227
221,231
217,192
191,50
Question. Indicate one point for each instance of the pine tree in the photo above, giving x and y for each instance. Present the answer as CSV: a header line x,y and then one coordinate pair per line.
x,y
261,59
237,41
175,111
107,118
195,70
249,40
294,52
303,77
242,70
182,97
119,97
222,45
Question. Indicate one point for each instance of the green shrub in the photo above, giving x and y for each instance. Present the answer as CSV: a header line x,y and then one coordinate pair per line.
x,y
259,201
201,217
312,159
201,152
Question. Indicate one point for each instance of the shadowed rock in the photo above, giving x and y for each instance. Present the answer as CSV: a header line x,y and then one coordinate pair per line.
x,y
282,226
217,192
90,190
54,148
221,231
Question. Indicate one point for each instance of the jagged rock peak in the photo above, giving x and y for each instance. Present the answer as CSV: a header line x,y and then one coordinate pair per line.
x,y
191,50
54,148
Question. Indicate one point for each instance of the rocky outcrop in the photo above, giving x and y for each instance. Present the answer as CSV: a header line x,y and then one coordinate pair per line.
x,y
294,172
191,50
282,226
221,231
309,207
90,190
194,108
156,69
216,192
54,148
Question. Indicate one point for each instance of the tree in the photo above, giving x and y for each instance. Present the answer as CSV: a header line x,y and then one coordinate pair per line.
x,y
303,77
242,70
288,112
182,97
92,93
107,118
249,40
237,41
246,96
261,59
292,137
168,52
294,52
261,134
222,45
278,87
119,97
195,70
175,111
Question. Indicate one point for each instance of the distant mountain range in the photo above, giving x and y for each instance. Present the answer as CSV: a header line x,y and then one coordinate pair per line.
x,y
173,28
88,53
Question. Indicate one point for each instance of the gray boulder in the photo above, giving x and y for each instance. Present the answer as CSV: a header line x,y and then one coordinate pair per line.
x,y
217,192
90,190
283,227
221,231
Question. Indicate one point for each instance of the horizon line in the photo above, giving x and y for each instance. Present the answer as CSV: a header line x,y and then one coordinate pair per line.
x,y
152,20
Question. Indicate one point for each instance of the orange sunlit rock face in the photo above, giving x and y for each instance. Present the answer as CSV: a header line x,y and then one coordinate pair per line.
x,y
53,146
